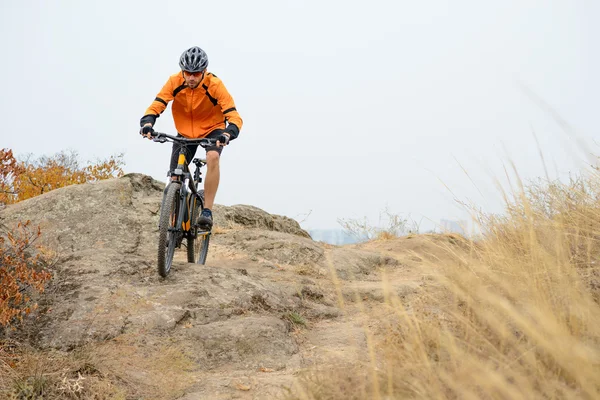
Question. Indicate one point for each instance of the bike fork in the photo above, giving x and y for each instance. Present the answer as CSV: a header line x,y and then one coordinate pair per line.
x,y
181,216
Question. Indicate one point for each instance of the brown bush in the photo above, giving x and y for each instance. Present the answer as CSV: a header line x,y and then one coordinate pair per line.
x,y
20,180
22,272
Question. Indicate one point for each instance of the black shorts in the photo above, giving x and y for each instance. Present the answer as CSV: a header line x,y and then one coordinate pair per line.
x,y
190,150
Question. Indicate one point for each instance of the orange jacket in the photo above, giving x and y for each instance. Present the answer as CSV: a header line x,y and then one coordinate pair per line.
x,y
199,111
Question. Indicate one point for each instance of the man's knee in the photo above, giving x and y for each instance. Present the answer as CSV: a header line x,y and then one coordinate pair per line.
x,y
212,157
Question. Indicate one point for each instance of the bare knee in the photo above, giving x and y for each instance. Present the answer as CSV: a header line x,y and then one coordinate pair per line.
x,y
212,158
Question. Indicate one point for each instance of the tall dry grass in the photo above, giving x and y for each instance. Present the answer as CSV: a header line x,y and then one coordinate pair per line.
x,y
512,315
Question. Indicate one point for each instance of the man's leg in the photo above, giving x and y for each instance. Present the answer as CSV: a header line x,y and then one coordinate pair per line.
x,y
211,181
213,175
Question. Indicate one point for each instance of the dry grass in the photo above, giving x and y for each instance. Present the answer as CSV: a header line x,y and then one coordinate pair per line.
x,y
121,368
219,230
515,315
385,235
307,270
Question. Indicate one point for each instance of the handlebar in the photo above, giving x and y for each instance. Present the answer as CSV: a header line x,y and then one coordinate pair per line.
x,y
164,137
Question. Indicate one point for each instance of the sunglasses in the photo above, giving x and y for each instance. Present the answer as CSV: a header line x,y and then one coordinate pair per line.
x,y
193,73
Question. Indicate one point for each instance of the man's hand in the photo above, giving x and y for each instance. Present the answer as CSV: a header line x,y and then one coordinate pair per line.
x,y
147,130
223,139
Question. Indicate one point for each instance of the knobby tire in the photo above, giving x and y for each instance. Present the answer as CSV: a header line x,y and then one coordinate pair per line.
x,y
169,214
203,246
192,240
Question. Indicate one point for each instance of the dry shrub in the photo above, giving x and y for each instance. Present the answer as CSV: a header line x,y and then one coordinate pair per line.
x,y
22,272
513,315
20,180
146,370
384,235
122,368
29,374
390,226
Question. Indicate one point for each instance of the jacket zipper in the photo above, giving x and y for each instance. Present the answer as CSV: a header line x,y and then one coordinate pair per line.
x,y
192,111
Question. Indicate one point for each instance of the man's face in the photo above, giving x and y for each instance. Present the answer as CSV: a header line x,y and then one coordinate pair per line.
x,y
193,79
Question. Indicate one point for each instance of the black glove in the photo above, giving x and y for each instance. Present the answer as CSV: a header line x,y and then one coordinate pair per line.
x,y
146,129
223,139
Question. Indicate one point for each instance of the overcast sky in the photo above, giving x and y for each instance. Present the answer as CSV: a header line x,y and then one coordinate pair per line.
x,y
348,106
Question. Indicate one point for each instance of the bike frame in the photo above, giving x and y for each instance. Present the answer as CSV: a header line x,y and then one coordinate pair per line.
x,y
188,185
184,179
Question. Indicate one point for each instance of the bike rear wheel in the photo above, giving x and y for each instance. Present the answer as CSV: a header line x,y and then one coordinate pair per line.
x,y
168,230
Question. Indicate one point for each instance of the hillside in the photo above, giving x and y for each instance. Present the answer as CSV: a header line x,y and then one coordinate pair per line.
x,y
242,326
275,314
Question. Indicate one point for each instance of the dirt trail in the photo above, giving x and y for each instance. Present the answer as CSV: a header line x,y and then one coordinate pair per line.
x,y
333,333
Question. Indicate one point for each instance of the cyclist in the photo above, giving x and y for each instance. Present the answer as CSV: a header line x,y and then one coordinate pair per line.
x,y
202,108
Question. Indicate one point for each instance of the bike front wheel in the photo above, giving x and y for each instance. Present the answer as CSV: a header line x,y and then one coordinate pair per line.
x,y
201,245
193,239
168,230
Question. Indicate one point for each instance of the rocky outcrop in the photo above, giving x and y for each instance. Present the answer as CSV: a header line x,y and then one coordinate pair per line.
x,y
253,217
240,313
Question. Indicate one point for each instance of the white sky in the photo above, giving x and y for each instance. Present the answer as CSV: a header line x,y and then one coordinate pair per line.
x,y
348,106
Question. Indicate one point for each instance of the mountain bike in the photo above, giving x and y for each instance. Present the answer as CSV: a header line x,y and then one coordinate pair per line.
x,y
181,205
